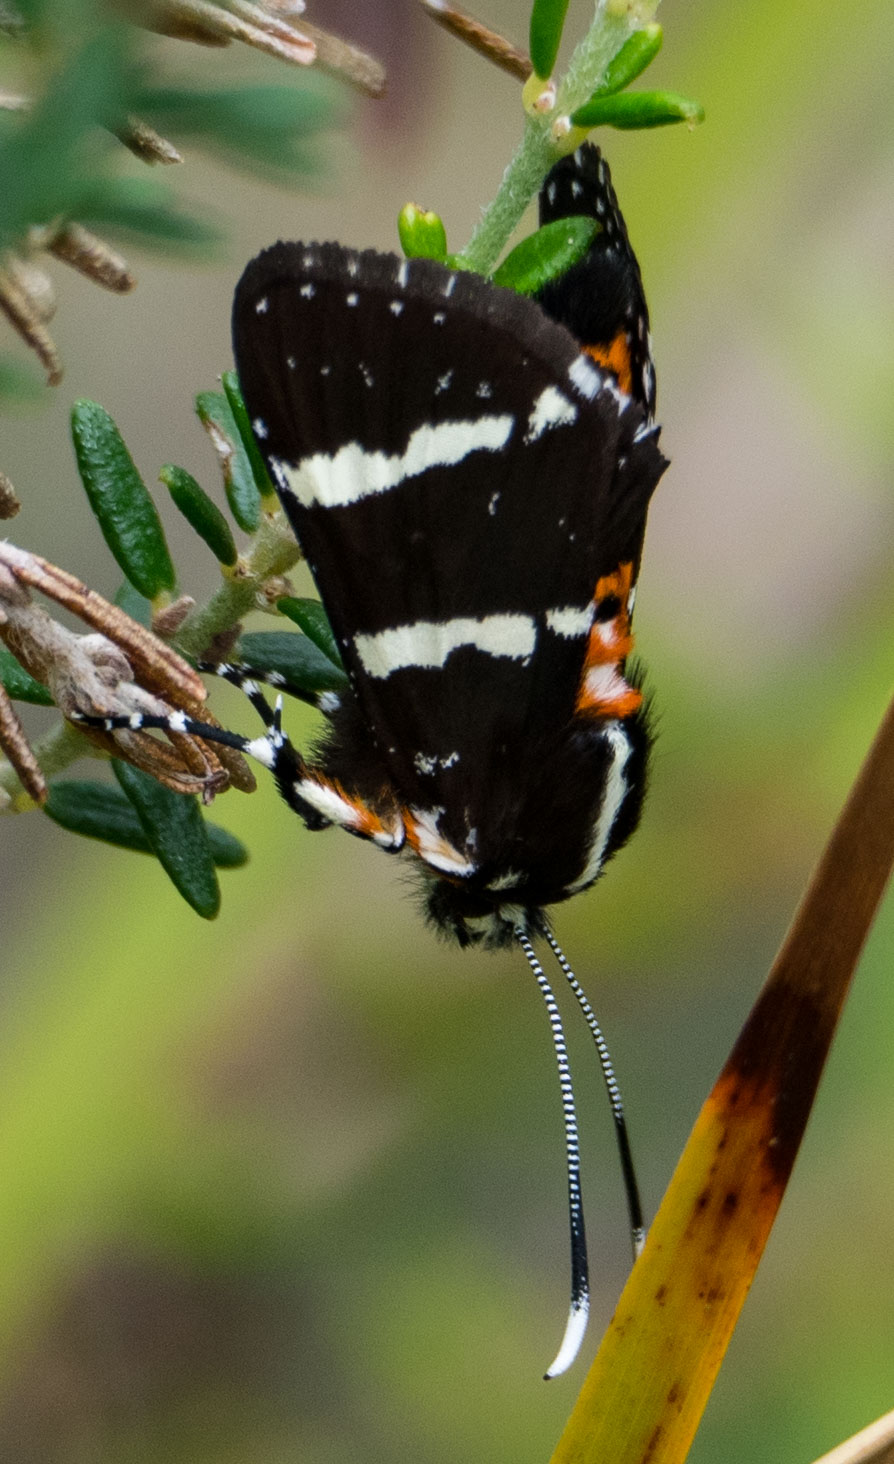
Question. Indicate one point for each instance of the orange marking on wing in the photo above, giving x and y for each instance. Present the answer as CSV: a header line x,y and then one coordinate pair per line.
x,y
603,691
615,357
366,822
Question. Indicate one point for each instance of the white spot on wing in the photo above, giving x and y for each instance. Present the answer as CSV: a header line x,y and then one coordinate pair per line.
x,y
351,474
308,291
586,378
551,409
443,382
259,428
262,306
396,307
569,621
352,298
439,317
428,643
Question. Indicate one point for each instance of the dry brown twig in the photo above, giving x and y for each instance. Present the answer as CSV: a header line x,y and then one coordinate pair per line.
x,y
147,144
119,670
480,37
268,27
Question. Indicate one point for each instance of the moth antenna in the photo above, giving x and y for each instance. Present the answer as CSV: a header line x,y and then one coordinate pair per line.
x,y
631,1188
580,1271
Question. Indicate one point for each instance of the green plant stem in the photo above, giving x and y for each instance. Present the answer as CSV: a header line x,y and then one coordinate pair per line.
x,y
538,149
273,552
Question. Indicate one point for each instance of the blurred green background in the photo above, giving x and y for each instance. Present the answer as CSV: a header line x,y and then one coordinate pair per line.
x,y
290,1186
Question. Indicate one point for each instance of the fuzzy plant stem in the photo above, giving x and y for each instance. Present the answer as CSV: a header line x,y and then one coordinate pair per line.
x,y
538,149
274,552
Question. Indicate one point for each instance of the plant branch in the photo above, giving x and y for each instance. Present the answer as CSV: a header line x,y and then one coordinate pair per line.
x,y
539,149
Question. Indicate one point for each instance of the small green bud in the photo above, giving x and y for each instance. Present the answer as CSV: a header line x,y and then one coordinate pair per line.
x,y
422,235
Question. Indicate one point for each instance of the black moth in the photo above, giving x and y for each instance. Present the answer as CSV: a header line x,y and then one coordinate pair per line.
x,y
470,489
468,473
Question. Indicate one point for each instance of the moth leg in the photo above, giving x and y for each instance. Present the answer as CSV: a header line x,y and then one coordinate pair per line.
x,y
273,750
317,799
249,680
320,800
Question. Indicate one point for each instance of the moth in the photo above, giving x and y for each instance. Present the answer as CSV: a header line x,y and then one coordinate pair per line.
x,y
468,472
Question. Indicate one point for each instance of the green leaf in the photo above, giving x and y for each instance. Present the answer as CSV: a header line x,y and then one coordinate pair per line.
x,y
119,498
48,150
175,829
143,208
201,513
629,110
310,616
546,254
547,21
422,235
18,684
216,416
301,664
99,811
233,393
269,125
637,52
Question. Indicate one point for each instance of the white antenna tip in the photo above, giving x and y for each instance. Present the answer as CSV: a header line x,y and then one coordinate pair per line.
x,y
575,1328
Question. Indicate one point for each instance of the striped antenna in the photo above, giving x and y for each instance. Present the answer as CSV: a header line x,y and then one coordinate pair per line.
x,y
631,1189
580,1279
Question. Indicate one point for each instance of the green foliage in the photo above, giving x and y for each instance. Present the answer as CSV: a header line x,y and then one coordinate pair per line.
x,y
60,158
638,52
177,835
251,125
52,156
310,616
120,500
422,234
632,110
18,684
296,658
233,394
240,482
546,254
545,33
99,811
201,513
